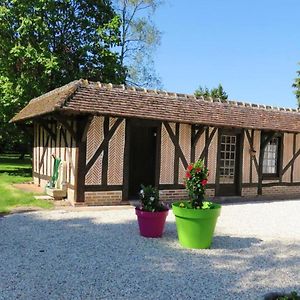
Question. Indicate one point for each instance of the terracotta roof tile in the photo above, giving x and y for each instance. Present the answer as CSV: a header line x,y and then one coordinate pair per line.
x,y
118,100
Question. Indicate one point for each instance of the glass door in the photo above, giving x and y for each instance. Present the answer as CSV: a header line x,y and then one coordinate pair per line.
x,y
228,164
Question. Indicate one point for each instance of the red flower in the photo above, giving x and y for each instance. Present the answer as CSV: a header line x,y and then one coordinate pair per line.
x,y
188,175
204,182
198,170
190,167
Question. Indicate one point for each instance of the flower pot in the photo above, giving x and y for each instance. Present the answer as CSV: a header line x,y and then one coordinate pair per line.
x,y
151,224
195,227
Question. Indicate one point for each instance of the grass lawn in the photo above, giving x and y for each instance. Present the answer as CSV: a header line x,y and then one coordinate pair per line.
x,y
13,170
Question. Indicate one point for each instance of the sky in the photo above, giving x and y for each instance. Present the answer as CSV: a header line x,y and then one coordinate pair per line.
x,y
251,47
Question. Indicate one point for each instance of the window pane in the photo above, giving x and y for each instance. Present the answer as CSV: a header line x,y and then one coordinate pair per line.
x,y
271,157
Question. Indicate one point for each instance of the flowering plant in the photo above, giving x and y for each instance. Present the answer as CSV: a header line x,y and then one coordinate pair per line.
x,y
149,197
195,183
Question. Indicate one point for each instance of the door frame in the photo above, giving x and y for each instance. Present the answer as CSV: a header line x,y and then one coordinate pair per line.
x,y
239,133
129,123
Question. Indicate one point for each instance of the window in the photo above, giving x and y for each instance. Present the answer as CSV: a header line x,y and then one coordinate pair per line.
x,y
271,159
227,159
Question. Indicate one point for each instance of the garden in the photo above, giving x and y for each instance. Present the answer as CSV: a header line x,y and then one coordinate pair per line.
x,y
13,171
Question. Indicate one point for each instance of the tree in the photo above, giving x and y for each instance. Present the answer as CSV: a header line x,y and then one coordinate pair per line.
x,y
139,39
296,85
214,92
45,44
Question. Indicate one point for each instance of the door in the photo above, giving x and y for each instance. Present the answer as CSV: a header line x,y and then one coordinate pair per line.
x,y
142,157
228,164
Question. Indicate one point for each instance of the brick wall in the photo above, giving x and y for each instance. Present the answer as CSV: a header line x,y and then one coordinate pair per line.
x,y
272,191
170,195
249,192
103,198
281,190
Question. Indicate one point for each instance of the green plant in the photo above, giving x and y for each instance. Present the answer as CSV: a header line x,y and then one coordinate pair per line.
x,y
214,92
291,296
149,197
195,183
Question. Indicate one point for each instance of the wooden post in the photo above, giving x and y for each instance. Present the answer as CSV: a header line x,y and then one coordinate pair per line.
x,y
81,142
263,145
125,191
158,155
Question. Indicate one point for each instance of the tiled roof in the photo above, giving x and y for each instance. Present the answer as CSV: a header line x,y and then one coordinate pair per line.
x,y
83,97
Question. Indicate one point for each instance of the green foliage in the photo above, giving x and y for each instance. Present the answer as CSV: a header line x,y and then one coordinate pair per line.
x,y
46,44
214,92
195,182
296,85
149,197
189,205
139,39
13,170
291,296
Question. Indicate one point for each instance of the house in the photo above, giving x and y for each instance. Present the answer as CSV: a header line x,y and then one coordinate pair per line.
x,y
114,138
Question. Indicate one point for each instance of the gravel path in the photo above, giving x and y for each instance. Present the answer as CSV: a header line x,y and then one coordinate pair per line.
x,y
100,255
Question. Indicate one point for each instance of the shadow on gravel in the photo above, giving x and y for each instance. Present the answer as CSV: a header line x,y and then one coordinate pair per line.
x,y
231,243
99,258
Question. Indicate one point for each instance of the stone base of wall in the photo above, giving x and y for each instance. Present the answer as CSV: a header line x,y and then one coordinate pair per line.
x,y
172,195
249,192
273,191
281,191
103,198
176,195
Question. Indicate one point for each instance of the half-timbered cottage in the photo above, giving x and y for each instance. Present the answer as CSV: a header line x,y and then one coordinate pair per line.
x,y
115,138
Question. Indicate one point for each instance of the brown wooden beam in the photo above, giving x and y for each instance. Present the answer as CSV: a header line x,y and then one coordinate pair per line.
x,y
294,151
176,155
240,162
208,139
63,121
158,155
105,152
176,144
44,125
81,160
195,136
251,143
125,191
86,128
41,162
289,164
263,145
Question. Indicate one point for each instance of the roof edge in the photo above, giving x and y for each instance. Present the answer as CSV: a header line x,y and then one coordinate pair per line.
x,y
76,84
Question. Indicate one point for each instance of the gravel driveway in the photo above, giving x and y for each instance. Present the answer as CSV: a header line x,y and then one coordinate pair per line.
x,y
100,255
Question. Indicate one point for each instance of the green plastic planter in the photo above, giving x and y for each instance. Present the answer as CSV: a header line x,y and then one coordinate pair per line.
x,y
195,227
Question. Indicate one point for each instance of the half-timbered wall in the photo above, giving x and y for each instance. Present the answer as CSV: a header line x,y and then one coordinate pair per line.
x,y
287,156
103,169
250,162
288,181
51,138
104,161
180,145
203,143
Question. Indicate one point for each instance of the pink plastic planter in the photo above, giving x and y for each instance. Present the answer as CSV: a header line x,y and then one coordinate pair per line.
x,y
151,224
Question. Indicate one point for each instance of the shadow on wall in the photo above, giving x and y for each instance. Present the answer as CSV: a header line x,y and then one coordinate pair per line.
x,y
99,258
